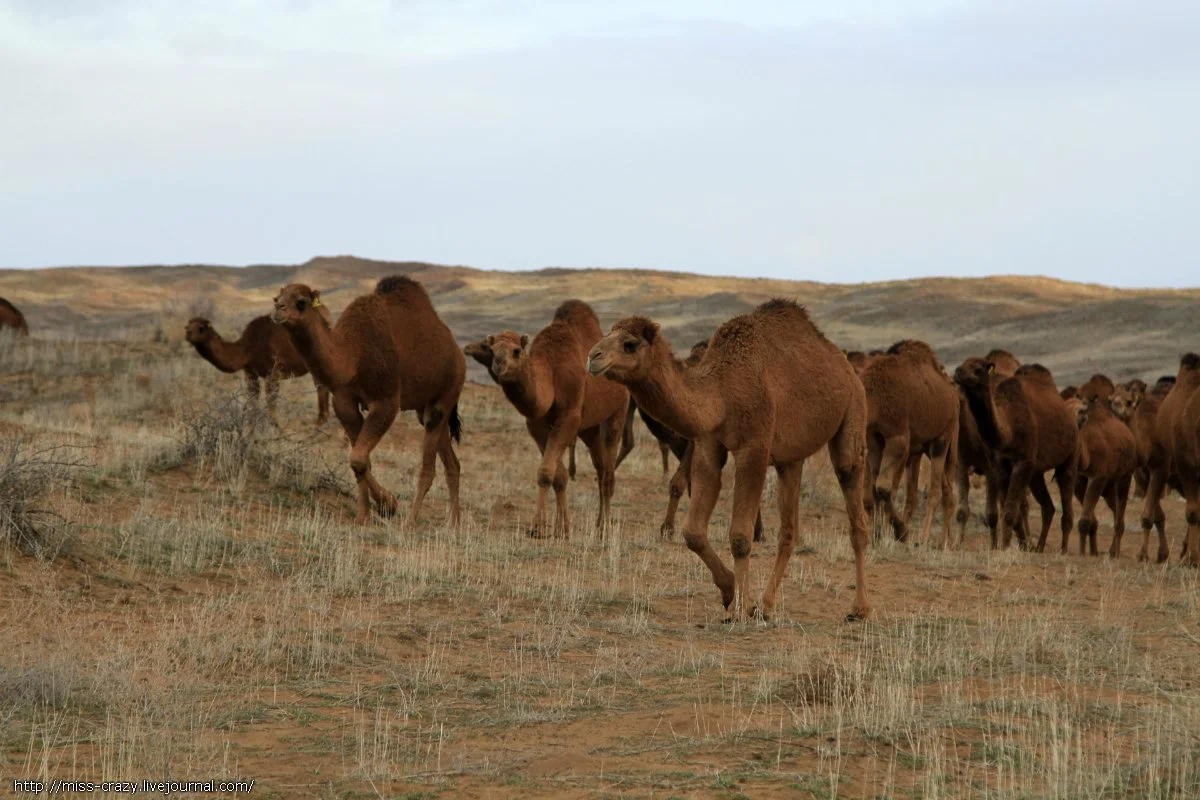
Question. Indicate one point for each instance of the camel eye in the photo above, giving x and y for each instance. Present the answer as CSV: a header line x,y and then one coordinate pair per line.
x,y
516,352
301,305
631,347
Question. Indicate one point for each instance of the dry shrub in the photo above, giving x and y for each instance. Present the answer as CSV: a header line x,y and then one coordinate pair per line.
x,y
27,477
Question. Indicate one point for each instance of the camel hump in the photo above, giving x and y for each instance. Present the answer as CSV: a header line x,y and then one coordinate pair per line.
x,y
576,311
7,305
913,348
1035,371
1190,361
401,285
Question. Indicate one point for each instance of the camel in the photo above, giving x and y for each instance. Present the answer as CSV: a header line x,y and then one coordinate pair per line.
x,y
1030,431
546,382
975,456
389,352
912,409
681,481
1158,450
771,390
1126,402
1101,388
1107,459
1186,435
12,318
264,351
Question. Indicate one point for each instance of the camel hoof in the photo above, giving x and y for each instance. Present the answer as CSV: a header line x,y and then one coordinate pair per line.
x,y
534,533
856,616
900,531
666,532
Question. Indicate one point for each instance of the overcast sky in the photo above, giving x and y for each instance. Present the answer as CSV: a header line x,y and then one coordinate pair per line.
x,y
838,140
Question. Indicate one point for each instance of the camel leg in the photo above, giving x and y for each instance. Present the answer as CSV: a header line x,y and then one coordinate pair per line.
x,y
1018,482
749,477
938,483
602,444
436,422
540,432
453,470
1041,493
571,458
995,484
1067,477
912,490
628,440
1191,493
1088,524
962,515
1152,513
272,387
788,497
562,432
345,407
846,455
874,460
679,484
322,403
1121,496
253,390
377,422
665,449
1141,481
706,488
895,454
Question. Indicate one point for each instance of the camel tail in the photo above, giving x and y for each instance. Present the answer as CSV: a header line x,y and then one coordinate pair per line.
x,y
455,424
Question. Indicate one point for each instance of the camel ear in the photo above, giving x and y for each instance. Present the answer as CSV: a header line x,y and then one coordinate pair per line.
x,y
649,332
489,340
524,340
991,367
316,299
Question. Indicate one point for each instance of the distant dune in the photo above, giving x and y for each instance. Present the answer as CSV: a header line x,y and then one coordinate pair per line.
x,y
1073,328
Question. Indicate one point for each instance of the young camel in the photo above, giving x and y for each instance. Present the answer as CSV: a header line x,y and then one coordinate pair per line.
x,y
389,352
548,385
1101,388
1161,457
1030,430
912,409
772,390
1107,458
975,456
1136,406
12,318
264,351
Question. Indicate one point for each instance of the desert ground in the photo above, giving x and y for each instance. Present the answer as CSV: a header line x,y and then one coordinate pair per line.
x,y
185,594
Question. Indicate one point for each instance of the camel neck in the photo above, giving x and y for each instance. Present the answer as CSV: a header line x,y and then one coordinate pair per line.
x,y
678,397
532,394
982,403
324,351
225,356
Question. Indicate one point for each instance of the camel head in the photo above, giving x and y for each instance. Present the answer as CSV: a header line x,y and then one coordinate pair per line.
x,y
1070,393
975,374
1005,362
481,351
625,354
198,330
1080,409
1126,397
294,302
508,355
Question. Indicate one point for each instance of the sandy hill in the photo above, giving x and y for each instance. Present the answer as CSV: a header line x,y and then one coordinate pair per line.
x,y
1075,329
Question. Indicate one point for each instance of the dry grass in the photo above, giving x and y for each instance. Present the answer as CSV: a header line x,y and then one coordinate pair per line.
x,y
230,621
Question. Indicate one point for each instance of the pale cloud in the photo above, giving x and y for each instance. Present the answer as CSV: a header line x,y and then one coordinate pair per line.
x,y
846,141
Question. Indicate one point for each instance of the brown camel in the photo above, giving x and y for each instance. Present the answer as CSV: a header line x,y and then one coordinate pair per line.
x,y
1030,430
1101,388
1107,459
770,390
1126,401
13,319
975,456
681,481
1187,464
264,352
1159,452
389,352
912,409
547,383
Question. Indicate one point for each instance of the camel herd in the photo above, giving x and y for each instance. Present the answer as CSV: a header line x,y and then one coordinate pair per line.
x,y
770,390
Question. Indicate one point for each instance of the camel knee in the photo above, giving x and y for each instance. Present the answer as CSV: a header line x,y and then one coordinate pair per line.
x,y
739,545
696,542
1193,517
360,467
560,481
961,515
434,417
1088,527
883,494
846,476
545,478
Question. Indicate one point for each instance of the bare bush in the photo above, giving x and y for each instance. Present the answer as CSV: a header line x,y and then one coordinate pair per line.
x,y
26,479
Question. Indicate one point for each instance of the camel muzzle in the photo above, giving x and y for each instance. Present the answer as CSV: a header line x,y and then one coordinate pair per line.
x,y
596,364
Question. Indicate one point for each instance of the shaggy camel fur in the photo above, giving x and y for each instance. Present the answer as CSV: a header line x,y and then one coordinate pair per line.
x,y
912,409
264,351
1160,454
547,383
10,317
975,456
681,481
1030,430
771,390
389,352
1187,466
1107,458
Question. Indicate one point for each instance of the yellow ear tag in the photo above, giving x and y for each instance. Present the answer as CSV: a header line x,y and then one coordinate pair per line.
x,y
316,302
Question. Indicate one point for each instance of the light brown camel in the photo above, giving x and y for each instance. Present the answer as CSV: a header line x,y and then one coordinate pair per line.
x,y
389,352
264,352
1107,458
912,409
1101,388
771,390
12,318
681,481
1126,402
547,383
975,456
1030,431
1187,464
1160,455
